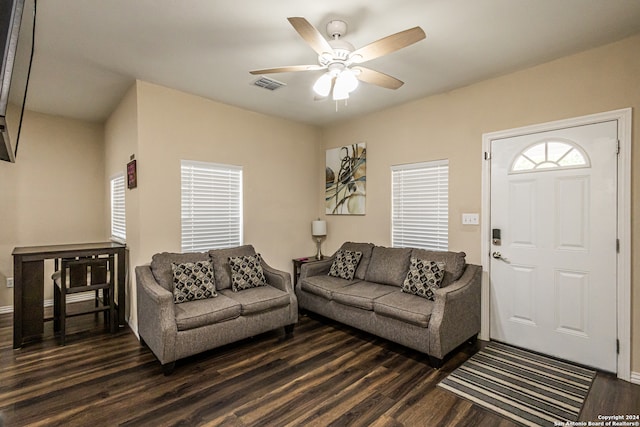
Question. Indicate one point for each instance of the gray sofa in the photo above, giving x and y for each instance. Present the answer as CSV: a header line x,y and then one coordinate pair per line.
x,y
177,330
373,301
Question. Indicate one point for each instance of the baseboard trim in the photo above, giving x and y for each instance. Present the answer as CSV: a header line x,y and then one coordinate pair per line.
x,y
49,302
635,378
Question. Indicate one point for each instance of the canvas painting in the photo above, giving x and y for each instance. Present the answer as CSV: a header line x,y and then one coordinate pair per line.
x,y
346,179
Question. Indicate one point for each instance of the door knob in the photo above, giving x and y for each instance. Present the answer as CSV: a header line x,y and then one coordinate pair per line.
x,y
498,255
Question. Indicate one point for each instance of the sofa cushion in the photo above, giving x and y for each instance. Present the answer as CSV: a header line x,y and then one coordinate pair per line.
x,y
423,278
365,249
246,272
323,285
256,300
405,307
194,314
220,259
161,265
193,281
344,264
388,265
454,262
362,294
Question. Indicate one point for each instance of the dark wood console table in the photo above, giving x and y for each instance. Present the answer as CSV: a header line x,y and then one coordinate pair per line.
x,y
28,290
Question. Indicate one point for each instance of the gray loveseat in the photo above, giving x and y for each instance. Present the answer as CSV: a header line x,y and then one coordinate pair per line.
x,y
177,330
374,302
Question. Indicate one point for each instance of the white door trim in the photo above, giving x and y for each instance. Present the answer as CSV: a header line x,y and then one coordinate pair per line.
x,y
623,117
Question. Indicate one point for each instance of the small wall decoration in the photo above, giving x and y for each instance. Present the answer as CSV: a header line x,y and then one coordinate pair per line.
x,y
346,170
132,176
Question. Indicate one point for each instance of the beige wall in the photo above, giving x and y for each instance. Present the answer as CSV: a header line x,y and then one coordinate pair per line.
x,y
121,141
54,192
279,172
451,125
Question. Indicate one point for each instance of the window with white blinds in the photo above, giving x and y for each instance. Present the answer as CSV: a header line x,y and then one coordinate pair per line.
x,y
420,205
211,206
118,218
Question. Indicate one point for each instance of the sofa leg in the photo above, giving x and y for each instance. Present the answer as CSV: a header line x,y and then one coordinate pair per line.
x,y
288,331
435,362
143,343
473,339
167,368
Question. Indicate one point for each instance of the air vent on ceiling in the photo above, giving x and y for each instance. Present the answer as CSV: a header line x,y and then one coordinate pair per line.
x,y
268,83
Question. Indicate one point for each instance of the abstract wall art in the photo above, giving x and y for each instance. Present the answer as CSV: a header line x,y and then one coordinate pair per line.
x,y
346,179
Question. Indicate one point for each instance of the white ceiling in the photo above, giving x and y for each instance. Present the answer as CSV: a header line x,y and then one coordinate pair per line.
x,y
89,52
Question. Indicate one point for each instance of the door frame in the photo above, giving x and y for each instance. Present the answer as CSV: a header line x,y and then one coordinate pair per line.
x,y
623,285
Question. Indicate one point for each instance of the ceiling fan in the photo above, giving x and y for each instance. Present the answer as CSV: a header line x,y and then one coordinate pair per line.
x,y
341,59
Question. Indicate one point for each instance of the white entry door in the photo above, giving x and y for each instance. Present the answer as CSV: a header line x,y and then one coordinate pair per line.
x,y
553,269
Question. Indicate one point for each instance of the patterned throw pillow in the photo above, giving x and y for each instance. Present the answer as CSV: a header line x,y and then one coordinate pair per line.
x,y
193,281
423,278
345,263
246,272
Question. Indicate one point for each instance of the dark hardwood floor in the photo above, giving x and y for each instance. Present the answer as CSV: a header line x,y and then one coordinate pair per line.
x,y
327,374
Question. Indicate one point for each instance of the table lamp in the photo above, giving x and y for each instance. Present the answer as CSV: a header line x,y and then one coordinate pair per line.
x,y
319,230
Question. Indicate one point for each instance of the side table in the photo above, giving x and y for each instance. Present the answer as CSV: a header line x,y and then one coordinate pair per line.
x,y
297,264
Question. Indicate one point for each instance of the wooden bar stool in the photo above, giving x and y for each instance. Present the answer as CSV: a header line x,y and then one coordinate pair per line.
x,y
91,274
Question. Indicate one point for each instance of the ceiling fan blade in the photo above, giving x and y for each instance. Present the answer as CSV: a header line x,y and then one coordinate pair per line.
x,y
377,78
289,69
387,45
311,35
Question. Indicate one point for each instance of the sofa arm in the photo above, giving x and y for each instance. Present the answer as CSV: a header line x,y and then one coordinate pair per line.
x,y
156,316
456,313
282,280
315,268
277,278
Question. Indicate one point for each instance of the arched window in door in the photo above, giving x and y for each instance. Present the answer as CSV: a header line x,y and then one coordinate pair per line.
x,y
553,154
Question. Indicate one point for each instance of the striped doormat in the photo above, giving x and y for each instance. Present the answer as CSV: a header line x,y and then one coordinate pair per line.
x,y
527,388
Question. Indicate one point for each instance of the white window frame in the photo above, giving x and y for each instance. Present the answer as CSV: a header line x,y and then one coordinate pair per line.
x,y
551,164
420,205
211,206
118,208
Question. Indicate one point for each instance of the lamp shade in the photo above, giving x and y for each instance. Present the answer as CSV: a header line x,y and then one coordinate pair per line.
x,y
346,82
323,85
341,88
319,228
350,79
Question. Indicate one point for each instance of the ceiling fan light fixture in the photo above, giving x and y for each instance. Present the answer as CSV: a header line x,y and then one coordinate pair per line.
x,y
346,82
350,79
322,86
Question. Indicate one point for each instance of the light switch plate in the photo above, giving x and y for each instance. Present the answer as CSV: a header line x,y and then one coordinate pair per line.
x,y
470,219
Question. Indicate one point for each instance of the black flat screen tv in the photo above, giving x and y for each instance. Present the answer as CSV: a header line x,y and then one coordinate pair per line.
x,y
17,21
